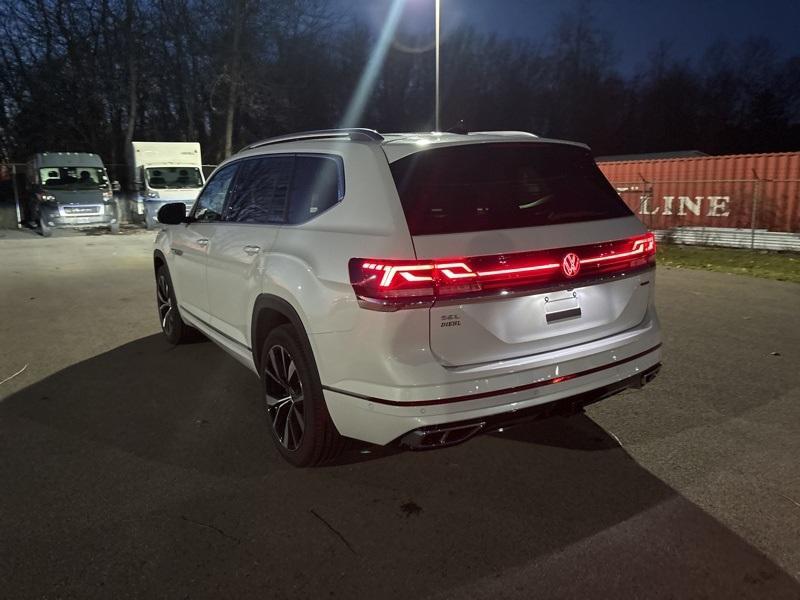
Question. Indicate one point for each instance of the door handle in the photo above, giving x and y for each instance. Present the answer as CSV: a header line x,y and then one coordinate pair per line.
x,y
202,242
251,250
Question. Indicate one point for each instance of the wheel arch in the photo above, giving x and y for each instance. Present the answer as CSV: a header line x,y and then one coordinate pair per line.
x,y
270,312
159,260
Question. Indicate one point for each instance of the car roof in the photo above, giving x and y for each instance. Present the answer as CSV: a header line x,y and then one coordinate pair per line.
x,y
394,145
400,145
66,159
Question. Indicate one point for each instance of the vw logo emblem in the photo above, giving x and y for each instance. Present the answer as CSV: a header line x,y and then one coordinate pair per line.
x,y
571,264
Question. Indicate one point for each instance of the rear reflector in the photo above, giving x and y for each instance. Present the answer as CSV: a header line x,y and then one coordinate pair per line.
x,y
393,284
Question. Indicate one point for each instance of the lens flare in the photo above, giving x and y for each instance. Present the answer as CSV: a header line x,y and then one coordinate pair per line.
x,y
366,84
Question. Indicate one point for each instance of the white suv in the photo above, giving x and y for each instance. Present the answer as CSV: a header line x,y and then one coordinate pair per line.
x,y
413,288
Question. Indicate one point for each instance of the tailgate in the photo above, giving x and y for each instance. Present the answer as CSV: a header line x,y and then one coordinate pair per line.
x,y
533,249
509,322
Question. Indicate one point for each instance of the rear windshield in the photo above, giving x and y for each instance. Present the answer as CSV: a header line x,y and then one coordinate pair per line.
x,y
501,186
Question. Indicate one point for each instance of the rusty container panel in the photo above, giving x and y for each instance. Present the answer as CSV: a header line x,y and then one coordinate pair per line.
x,y
713,191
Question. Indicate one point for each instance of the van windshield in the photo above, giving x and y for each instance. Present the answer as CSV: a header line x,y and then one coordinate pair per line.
x,y
178,178
481,187
73,178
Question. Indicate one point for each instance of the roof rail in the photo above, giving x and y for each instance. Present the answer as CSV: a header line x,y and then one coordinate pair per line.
x,y
509,133
355,134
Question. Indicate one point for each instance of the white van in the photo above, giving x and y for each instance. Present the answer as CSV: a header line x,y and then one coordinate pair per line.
x,y
161,173
70,190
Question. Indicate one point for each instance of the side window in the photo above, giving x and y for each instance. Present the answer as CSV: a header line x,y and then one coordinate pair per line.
x,y
262,190
317,185
211,200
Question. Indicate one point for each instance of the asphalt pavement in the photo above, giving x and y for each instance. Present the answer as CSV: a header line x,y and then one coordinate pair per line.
x,y
132,469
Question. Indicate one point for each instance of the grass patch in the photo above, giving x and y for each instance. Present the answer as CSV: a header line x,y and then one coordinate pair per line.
x,y
783,266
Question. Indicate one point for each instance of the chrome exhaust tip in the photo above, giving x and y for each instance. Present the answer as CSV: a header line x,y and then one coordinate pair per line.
x,y
650,375
647,377
439,437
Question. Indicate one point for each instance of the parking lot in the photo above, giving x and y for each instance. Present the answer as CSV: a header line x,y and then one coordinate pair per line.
x,y
130,468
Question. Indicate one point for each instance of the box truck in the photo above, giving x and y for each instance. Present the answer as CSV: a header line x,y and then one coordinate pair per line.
x,y
70,189
161,173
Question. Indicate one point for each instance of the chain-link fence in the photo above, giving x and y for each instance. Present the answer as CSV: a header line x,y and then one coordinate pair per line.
x,y
12,190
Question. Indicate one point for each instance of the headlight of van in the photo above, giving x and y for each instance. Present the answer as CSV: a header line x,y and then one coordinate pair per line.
x,y
42,197
108,196
153,194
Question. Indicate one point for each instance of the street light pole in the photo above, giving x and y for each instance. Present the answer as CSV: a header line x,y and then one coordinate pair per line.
x,y
438,21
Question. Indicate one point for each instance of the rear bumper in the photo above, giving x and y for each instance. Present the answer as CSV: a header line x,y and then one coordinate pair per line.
x,y
449,434
478,393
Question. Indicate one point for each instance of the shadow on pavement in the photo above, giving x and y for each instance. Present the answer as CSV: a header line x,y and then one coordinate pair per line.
x,y
148,472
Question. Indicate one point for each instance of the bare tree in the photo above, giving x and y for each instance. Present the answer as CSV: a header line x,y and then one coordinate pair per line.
x,y
133,80
92,74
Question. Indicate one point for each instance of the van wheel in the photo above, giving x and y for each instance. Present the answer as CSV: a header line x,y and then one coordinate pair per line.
x,y
301,427
44,229
175,330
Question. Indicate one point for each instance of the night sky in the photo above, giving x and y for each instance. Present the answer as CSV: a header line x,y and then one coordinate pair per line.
x,y
636,26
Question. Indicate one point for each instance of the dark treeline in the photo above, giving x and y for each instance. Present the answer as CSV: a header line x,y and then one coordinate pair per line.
x,y
90,75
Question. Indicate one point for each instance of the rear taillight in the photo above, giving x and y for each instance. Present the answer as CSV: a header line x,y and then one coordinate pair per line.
x,y
393,284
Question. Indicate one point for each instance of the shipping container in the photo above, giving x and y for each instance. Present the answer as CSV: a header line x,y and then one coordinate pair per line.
x,y
743,191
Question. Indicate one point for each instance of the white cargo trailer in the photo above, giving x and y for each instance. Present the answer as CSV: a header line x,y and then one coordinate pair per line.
x,y
161,173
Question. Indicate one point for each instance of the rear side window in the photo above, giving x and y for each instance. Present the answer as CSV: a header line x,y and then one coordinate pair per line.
x,y
261,193
316,186
285,188
502,186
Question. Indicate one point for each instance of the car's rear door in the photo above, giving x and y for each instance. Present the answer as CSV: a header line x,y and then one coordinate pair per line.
x,y
273,193
239,253
534,237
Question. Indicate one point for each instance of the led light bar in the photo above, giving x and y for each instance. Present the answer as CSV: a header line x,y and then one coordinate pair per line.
x,y
392,284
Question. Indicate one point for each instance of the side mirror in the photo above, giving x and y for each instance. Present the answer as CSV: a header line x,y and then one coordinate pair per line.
x,y
115,186
173,213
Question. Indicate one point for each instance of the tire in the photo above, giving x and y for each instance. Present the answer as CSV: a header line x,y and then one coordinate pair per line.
x,y
298,418
44,229
173,327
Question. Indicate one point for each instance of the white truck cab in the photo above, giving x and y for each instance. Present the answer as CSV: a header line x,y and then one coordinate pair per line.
x,y
161,173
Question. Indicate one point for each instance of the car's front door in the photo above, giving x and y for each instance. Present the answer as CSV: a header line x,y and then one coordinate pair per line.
x,y
190,244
